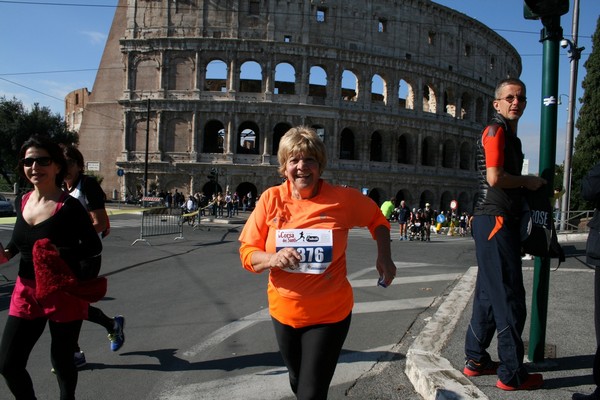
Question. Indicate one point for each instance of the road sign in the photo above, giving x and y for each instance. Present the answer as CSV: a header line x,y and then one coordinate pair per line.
x,y
453,205
120,172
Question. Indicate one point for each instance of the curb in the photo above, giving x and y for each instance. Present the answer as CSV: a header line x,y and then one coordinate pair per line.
x,y
433,376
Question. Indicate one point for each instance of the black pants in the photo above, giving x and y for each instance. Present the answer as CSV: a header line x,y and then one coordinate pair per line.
x,y
20,335
311,355
96,316
499,300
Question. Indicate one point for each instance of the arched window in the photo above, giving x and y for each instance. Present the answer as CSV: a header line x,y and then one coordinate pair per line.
x,y
285,79
216,76
349,86
248,136
251,77
376,147
279,130
378,89
347,145
214,137
403,150
317,83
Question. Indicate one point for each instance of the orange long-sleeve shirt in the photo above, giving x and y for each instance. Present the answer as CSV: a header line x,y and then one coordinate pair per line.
x,y
300,299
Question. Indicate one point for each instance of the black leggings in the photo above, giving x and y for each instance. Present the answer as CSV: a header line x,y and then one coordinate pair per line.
x,y
96,316
20,335
311,355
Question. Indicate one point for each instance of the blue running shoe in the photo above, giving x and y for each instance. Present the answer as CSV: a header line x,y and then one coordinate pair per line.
x,y
117,338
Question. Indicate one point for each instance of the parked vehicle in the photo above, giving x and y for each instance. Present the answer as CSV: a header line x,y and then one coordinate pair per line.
x,y
6,207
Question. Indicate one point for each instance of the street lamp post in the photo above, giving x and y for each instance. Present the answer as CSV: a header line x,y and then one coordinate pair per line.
x,y
575,55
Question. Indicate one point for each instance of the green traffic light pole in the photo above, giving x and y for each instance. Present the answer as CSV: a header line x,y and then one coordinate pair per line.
x,y
551,36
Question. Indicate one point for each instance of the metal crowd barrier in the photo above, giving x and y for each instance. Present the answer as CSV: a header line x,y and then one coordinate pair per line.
x,y
160,221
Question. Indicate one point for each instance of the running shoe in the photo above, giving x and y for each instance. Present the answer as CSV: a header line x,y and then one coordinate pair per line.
x,y
473,368
79,359
117,338
532,382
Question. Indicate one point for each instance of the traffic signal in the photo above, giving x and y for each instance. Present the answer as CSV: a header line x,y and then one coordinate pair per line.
x,y
536,9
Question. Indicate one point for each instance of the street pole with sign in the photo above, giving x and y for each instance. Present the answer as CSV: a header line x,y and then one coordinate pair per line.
x,y
549,11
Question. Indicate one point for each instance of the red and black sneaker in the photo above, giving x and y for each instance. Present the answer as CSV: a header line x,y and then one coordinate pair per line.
x,y
532,382
473,368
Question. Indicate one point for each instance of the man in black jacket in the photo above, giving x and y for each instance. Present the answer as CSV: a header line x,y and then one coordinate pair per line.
x,y
499,301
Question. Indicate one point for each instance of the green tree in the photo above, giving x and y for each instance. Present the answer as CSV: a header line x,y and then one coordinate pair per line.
x,y
17,125
587,144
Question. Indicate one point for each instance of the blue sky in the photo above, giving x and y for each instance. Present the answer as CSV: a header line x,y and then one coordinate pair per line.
x,y
48,50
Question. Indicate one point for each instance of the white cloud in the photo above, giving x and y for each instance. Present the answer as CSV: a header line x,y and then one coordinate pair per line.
x,y
96,37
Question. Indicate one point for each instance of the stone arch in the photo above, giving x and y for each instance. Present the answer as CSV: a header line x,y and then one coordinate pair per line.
x,y
251,77
403,194
429,99
465,106
376,153
146,74
403,147
180,74
428,151
243,189
213,137
448,151
377,195
465,156
378,89
347,151
317,82
248,138
445,200
426,197
139,135
479,110
215,79
406,95
278,131
464,205
285,79
450,103
349,86
178,136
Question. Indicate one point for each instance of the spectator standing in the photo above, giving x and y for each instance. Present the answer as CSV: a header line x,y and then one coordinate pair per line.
x,y
403,217
499,300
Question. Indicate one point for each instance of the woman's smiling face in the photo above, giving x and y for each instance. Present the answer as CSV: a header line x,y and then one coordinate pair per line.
x,y
303,173
37,173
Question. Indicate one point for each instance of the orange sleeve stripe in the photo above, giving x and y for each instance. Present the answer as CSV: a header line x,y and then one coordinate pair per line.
x,y
493,146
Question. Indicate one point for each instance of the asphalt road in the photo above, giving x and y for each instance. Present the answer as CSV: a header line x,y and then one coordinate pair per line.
x,y
197,325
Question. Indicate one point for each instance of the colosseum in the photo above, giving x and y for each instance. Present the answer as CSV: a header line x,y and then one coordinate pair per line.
x,y
189,90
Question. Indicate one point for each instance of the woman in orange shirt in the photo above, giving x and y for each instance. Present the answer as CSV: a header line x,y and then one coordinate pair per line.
x,y
298,232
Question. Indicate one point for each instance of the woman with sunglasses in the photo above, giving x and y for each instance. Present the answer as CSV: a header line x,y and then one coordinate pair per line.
x,y
46,212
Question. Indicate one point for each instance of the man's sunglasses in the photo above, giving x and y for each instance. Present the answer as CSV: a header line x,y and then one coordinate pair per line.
x,y
41,161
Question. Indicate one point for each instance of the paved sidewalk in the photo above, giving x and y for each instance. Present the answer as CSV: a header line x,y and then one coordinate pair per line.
x,y
435,359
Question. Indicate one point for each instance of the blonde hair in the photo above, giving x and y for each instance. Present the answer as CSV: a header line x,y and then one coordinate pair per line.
x,y
301,140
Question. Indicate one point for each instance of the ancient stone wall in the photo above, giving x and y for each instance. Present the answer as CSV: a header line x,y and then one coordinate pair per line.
x,y
398,90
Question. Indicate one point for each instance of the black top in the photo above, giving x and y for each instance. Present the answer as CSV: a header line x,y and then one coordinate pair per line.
x,y
70,229
495,201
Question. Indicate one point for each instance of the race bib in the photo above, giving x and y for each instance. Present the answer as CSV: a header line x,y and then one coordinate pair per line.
x,y
314,245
